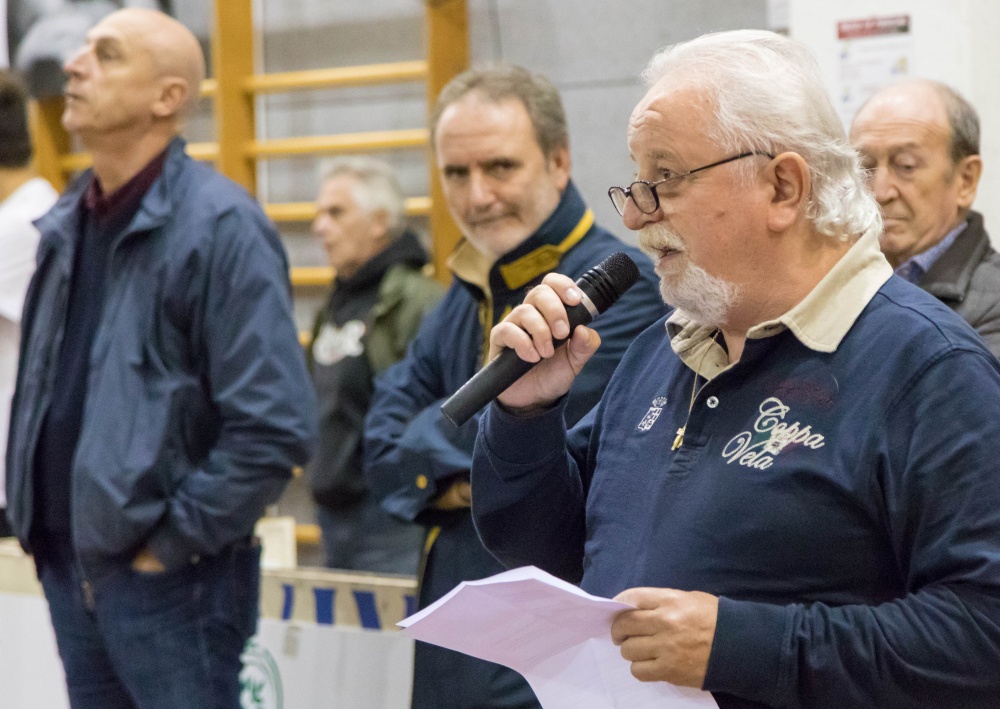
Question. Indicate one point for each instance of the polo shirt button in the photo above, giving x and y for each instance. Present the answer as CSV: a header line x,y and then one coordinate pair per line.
x,y
712,402
422,482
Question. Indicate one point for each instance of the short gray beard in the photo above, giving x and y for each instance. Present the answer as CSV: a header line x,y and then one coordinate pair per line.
x,y
706,298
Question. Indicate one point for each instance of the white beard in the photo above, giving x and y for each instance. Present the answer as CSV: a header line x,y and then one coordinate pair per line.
x,y
706,298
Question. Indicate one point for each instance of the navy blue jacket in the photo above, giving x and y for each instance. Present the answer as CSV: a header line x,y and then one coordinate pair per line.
x,y
844,505
412,453
198,401
409,445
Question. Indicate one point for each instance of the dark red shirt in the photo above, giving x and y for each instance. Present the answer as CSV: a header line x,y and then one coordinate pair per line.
x,y
125,201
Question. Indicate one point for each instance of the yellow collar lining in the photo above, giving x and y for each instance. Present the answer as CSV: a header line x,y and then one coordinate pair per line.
x,y
545,258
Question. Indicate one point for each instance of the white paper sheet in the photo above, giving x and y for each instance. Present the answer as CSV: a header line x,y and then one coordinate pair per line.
x,y
554,634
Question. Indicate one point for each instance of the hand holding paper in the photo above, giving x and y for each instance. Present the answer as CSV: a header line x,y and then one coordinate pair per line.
x,y
669,636
554,634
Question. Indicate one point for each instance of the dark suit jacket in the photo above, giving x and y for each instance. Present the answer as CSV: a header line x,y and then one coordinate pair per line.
x,y
967,278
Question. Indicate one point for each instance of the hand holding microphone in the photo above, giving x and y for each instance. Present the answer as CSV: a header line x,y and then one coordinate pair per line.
x,y
533,333
536,331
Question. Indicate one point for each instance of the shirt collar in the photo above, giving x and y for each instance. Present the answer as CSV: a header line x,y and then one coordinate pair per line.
x,y
914,268
820,321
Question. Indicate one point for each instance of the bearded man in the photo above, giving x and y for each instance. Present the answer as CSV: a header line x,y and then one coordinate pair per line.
x,y
811,518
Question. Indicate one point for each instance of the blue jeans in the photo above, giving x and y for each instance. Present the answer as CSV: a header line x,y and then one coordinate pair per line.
x,y
154,641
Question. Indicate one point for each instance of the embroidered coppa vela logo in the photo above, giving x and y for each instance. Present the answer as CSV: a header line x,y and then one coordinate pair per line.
x,y
771,435
654,413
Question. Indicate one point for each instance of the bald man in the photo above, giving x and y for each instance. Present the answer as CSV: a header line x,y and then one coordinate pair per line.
x,y
162,398
919,141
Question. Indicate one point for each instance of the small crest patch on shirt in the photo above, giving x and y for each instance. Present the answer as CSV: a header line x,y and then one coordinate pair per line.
x,y
654,413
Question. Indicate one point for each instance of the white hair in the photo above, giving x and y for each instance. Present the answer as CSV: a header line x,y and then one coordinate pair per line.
x,y
770,98
376,188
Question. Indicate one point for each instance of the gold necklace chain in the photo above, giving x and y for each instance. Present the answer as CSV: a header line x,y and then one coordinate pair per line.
x,y
695,390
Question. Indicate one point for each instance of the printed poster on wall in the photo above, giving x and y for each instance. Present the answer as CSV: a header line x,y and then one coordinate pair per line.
x,y
872,53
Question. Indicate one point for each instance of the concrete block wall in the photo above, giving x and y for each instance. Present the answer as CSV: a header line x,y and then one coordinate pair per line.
x,y
594,51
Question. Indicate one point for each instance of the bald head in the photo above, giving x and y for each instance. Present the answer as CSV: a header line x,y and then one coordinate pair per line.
x,y
173,48
927,97
138,73
129,88
919,141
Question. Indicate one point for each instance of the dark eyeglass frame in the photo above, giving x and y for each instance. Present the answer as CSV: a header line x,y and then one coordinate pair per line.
x,y
623,193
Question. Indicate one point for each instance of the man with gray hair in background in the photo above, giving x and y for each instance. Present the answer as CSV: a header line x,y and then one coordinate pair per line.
x,y
919,141
792,478
378,299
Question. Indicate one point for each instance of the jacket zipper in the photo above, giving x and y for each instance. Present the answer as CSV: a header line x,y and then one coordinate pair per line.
x,y
86,586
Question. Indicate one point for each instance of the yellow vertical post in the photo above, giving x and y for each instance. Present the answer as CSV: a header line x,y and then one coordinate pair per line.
x,y
232,59
49,140
447,56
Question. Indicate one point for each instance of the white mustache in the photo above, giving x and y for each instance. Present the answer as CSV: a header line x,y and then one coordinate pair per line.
x,y
655,238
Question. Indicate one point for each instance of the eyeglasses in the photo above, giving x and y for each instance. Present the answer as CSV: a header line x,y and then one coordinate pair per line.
x,y
644,193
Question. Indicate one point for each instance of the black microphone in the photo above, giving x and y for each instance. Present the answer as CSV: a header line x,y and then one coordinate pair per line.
x,y
601,286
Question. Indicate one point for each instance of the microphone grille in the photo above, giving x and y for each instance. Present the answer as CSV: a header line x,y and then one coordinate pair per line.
x,y
609,279
622,271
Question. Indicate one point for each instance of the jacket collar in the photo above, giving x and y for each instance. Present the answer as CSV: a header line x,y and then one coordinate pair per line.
x,y
158,204
58,226
948,278
405,249
537,255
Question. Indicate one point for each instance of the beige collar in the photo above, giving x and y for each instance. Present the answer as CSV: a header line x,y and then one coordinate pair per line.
x,y
471,265
820,321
